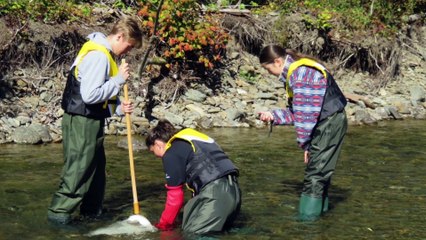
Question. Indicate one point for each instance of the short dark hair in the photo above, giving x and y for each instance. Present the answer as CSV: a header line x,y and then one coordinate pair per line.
x,y
163,131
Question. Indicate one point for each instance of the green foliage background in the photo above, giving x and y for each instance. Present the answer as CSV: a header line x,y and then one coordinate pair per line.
x,y
47,11
381,16
190,37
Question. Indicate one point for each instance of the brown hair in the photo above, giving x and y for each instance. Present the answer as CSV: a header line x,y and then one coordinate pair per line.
x,y
272,52
163,131
130,28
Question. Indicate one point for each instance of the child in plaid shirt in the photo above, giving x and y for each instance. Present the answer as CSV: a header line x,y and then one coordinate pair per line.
x,y
316,109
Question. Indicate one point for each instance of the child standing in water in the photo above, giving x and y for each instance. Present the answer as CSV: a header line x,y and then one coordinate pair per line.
x,y
316,109
90,96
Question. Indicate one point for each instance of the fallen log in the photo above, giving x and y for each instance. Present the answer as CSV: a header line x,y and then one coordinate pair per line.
x,y
352,97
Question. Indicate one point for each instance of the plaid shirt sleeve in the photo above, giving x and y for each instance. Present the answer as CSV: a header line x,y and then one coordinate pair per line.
x,y
283,116
308,85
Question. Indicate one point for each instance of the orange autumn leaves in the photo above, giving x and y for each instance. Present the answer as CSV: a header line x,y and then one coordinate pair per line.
x,y
184,34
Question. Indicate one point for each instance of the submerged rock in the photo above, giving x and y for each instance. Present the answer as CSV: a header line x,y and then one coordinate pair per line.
x,y
136,144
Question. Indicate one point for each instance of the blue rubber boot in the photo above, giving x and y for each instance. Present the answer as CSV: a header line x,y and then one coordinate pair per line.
x,y
310,208
325,205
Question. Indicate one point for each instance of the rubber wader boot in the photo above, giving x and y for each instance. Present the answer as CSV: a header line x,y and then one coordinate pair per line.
x,y
58,218
325,205
310,208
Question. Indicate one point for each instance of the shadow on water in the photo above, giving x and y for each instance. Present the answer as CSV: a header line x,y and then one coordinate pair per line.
x,y
377,191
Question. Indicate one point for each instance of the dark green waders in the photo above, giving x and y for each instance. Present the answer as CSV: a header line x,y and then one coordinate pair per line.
x,y
214,208
83,173
325,148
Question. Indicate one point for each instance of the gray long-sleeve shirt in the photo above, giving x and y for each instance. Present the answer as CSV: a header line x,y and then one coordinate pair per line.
x,y
93,73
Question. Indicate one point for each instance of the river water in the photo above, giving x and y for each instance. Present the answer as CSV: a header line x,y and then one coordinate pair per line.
x,y
377,192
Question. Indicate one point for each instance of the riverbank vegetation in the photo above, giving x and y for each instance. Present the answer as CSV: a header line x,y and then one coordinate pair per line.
x,y
188,38
192,31
210,47
351,14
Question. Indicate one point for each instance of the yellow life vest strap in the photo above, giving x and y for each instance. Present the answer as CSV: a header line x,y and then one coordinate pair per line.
x,y
190,189
189,134
113,70
302,62
92,46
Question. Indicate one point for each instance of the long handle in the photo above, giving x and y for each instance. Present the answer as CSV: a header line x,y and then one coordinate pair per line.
x,y
130,146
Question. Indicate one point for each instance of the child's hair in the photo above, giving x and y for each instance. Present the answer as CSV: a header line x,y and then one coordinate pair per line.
x,y
272,52
130,28
163,131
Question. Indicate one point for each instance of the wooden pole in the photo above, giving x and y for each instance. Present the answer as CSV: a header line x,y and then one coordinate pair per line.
x,y
130,146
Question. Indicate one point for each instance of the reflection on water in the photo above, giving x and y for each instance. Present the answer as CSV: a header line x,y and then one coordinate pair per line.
x,y
377,192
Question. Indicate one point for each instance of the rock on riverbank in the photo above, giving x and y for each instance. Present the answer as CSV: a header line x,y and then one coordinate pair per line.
x,y
32,119
236,105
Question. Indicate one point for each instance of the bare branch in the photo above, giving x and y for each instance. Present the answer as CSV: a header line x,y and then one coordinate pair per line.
x,y
375,60
151,41
371,7
14,36
173,99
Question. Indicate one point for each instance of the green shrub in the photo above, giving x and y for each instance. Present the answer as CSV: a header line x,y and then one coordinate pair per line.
x,y
382,17
47,11
186,38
